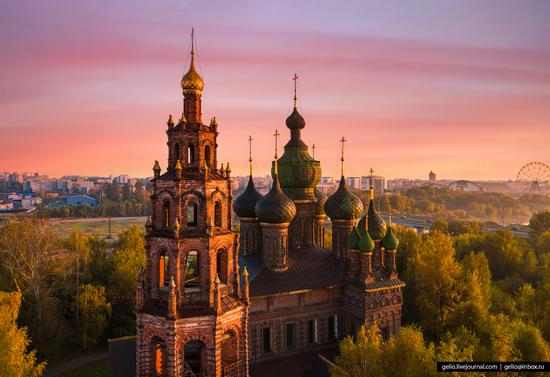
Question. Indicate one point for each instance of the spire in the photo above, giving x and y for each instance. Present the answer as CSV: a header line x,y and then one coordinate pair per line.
x,y
313,149
389,212
192,46
250,154
371,186
192,81
276,169
342,142
295,79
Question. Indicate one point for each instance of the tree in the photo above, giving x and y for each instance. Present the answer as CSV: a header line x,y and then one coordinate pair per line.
x,y
540,222
15,358
95,312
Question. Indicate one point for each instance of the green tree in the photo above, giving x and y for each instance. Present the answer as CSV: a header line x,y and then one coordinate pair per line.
x,y
540,222
95,312
15,358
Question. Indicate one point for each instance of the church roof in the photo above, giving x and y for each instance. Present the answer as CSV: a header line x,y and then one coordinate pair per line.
x,y
246,202
343,204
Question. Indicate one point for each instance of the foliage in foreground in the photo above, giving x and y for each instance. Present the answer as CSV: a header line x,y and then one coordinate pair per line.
x,y
15,358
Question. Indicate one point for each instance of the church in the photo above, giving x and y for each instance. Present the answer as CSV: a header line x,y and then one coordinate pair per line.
x,y
214,301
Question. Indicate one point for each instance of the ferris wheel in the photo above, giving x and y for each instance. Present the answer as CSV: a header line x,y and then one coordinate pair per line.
x,y
535,175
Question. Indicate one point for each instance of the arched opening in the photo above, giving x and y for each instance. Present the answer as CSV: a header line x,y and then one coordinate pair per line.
x,y
207,155
192,270
177,155
191,154
158,357
166,214
192,214
193,357
164,269
230,354
221,265
218,214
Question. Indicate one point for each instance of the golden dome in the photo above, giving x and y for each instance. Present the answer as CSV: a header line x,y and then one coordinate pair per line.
x,y
192,81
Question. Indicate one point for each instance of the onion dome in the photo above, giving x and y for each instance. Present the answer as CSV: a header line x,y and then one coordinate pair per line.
x,y
362,225
376,224
295,121
321,199
343,204
353,239
275,207
246,202
192,81
366,244
390,241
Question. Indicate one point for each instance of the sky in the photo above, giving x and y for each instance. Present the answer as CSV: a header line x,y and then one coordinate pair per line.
x,y
458,87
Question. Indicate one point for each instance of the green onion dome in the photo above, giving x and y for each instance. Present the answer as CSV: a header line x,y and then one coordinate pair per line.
x,y
320,206
275,207
362,225
298,171
353,239
376,224
244,205
366,244
390,241
343,204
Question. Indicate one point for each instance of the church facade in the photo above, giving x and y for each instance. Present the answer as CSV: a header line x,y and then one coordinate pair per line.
x,y
212,301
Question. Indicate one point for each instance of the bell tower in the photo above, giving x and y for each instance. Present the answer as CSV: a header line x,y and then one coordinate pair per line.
x,y
192,312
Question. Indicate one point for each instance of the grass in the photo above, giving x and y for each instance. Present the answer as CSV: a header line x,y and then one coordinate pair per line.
x,y
99,368
96,226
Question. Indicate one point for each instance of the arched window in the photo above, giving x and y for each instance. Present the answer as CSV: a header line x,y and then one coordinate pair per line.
x,y
207,155
177,155
221,265
164,269
191,154
166,214
158,357
192,214
193,355
218,214
192,270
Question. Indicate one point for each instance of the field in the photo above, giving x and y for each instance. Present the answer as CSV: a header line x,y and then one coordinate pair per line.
x,y
99,226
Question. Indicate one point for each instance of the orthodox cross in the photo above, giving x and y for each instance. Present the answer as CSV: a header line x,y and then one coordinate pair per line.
x,y
276,134
342,142
313,147
295,78
371,186
250,154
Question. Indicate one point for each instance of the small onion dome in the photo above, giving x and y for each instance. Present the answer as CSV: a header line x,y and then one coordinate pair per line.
x,y
245,203
295,121
192,81
156,166
343,204
275,207
366,244
390,241
321,199
353,239
362,225
376,224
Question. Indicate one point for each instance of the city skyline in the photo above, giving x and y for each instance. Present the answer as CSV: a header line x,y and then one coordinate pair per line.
x,y
86,89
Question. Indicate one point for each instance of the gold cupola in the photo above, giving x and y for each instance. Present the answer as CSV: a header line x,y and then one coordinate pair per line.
x,y
192,82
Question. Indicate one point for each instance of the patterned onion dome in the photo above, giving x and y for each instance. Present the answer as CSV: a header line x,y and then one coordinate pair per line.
x,y
275,207
376,224
244,205
298,171
353,239
343,204
192,81
321,199
390,241
366,244
362,225
295,121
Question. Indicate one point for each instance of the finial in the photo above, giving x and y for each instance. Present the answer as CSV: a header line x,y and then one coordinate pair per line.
x,y
213,122
371,186
295,78
313,148
205,168
217,279
222,170
342,142
250,154
172,282
178,165
183,120
276,168
177,224
192,45
227,169
245,272
170,120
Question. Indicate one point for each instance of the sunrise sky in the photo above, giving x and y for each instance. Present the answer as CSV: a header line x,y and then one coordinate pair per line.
x,y
458,87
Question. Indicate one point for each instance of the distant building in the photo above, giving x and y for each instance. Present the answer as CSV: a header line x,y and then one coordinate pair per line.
x,y
121,179
377,181
354,182
432,177
75,200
